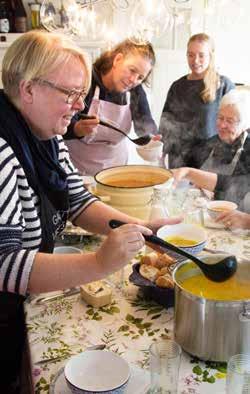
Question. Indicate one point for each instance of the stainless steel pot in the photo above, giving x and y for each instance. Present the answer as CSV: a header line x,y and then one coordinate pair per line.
x,y
209,329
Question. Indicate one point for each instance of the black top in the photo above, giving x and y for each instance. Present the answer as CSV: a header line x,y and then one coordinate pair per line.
x,y
186,119
229,187
140,111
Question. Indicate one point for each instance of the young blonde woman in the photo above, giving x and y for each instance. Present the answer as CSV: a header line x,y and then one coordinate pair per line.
x,y
116,95
190,110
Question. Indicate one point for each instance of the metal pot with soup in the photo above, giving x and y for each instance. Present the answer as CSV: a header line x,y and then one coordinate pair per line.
x,y
130,188
212,320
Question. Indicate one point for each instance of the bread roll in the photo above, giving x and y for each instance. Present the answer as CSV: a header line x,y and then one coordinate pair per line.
x,y
150,258
164,260
165,281
163,271
148,271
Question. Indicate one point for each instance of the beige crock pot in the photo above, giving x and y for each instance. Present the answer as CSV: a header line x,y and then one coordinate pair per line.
x,y
130,188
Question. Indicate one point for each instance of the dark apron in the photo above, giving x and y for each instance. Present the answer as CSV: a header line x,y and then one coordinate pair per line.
x,y
13,334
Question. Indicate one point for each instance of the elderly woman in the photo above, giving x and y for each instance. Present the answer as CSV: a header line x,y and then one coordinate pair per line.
x,y
46,79
226,156
189,113
116,95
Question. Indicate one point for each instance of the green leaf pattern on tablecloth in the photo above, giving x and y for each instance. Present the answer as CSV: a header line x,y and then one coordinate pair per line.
x,y
127,326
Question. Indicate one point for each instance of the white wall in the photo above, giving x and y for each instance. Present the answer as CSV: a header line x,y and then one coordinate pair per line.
x,y
231,31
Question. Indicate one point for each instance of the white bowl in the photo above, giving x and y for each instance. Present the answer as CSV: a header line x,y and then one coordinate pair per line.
x,y
152,151
217,207
66,250
97,371
187,231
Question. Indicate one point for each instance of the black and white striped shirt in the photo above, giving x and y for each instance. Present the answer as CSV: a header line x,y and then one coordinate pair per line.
x,y
20,226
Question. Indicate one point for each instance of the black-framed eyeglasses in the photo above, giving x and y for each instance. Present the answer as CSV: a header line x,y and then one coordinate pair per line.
x,y
73,95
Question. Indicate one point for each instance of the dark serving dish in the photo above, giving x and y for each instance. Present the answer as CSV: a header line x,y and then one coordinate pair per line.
x,y
150,290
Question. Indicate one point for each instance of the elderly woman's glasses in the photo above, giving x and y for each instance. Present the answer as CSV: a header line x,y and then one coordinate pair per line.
x,y
229,121
73,95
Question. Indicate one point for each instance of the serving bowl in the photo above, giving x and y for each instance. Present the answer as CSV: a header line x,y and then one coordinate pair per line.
x,y
97,371
188,232
152,151
163,296
217,207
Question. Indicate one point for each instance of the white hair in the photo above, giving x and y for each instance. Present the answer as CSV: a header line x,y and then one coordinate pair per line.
x,y
240,100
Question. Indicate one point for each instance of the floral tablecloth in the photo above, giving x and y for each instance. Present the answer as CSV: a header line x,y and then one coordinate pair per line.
x,y
127,326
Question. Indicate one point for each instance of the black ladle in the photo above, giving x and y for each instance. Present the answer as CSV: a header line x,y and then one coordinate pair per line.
x,y
144,140
217,272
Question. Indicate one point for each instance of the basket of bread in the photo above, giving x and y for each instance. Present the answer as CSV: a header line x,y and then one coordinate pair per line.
x,y
153,275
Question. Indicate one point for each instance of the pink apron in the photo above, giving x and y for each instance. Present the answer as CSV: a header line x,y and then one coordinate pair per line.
x,y
104,147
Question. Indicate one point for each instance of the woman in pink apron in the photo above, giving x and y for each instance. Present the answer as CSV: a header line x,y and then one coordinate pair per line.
x,y
224,161
117,96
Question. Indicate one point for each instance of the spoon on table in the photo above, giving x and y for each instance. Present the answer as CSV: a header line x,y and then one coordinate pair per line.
x,y
217,272
144,140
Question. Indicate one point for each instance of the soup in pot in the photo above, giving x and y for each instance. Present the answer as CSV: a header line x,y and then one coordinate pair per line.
x,y
138,181
232,289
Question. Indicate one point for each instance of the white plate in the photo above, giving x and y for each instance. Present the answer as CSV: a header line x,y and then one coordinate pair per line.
x,y
138,382
97,370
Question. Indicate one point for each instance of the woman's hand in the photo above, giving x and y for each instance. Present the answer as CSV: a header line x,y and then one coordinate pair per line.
x,y
121,245
85,126
235,219
180,174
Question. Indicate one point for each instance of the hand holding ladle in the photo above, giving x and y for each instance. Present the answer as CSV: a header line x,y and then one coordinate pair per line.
x,y
217,272
144,140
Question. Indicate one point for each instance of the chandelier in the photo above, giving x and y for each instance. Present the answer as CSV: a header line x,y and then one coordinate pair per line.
x,y
93,20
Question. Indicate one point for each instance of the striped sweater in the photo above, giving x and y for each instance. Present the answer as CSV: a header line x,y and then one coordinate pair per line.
x,y
20,227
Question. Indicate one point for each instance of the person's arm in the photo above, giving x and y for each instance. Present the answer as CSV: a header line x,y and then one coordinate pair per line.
x,y
202,179
54,271
168,120
227,85
141,114
23,268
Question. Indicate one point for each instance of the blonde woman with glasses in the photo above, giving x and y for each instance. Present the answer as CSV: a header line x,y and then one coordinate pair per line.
x,y
189,113
45,81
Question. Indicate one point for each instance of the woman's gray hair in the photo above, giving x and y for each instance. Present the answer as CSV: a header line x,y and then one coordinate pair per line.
x,y
240,100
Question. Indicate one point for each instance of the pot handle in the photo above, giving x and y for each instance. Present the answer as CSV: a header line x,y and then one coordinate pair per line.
x,y
93,190
244,318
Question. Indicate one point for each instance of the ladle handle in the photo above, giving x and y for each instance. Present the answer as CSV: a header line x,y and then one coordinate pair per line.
x,y
159,244
103,123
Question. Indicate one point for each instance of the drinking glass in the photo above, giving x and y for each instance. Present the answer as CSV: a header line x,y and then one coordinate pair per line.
x,y
165,357
194,216
238,374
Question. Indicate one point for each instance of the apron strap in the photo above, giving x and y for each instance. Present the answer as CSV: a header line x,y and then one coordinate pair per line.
x,y
97,92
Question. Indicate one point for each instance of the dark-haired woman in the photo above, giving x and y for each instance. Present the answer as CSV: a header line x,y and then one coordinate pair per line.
x,y
116,95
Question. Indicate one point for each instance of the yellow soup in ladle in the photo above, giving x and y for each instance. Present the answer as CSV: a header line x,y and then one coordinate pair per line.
x,y
232,289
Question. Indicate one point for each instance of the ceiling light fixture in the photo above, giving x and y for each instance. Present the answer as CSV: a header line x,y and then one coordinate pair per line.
x,y
92,20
